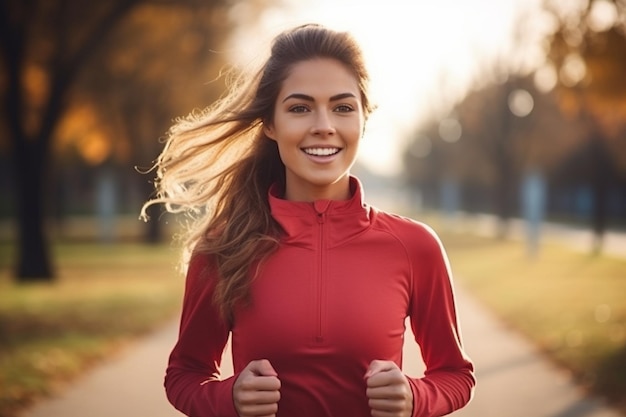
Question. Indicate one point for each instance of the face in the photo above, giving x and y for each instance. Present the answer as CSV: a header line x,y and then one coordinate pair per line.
x,y
317,125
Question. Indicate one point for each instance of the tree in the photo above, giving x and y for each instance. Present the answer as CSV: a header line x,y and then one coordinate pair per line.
x,y
587,51
45,48
577,100
162,74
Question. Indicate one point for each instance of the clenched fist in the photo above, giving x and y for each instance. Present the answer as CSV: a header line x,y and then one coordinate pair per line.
x,y
257,390
388,391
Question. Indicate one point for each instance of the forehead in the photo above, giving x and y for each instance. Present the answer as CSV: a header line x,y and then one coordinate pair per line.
x,y
320,77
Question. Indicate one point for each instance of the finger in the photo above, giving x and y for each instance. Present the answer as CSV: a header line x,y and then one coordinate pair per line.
x,y
393,378
258,410
380,413
386,405
387,377
378,366
258,397
260,383
262,367
389,392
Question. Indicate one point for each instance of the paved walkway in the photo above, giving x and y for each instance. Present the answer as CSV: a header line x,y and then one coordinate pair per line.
x,y
514,380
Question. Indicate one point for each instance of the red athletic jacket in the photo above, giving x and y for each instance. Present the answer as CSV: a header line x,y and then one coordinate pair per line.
x,y
333,298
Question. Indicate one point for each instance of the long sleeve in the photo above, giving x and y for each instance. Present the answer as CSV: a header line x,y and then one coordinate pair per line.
x,y
192,378
448,382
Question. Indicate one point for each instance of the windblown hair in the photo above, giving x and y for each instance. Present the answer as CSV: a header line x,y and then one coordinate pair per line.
x,y
217,165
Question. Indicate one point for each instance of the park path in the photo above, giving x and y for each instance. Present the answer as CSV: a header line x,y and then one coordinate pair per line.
x,y
514,379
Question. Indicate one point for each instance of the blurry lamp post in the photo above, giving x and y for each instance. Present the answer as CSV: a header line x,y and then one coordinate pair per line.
x,y
450,130
533,208
106,203
419,150
533,191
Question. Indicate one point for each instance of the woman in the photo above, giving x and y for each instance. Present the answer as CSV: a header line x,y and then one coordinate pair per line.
x,y
313,284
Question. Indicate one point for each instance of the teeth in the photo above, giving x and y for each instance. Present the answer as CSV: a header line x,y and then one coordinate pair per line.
x,y
321,151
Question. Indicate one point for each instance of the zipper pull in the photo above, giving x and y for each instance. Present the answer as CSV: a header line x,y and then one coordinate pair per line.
x,y
321,207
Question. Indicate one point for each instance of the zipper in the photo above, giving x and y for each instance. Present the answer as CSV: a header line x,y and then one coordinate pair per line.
x,y
319,336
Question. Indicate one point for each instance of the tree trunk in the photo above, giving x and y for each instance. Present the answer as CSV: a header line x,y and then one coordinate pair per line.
x,y
504,193
600,177
33,258
153,232
504,164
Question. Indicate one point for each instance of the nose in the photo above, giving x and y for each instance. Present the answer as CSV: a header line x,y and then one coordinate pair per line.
x,y
323,124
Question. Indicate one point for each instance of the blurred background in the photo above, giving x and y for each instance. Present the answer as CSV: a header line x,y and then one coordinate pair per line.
x,y
512,111
477,102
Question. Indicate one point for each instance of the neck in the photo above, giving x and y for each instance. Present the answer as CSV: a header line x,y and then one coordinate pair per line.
x,y
337,191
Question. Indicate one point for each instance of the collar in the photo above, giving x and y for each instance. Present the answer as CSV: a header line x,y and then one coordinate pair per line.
x,y
341,220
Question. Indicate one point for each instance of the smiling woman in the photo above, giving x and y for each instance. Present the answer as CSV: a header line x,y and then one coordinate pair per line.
x,y
312,284
317,125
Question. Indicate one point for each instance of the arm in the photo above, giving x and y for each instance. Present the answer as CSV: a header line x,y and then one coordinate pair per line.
x,y
448,382
192,378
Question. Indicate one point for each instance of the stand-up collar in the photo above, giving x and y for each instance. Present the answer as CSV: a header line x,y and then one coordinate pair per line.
x,y
342,219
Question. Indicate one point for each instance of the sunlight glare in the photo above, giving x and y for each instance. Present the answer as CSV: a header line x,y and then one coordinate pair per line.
x,y
603,15
573,70
545,78
94,147
450,130
421,147
521,102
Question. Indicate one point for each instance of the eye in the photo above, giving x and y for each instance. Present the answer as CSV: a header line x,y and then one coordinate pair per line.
x,y
344,108
298,108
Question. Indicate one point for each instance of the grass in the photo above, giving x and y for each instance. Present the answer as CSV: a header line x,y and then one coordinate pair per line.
x,y
104,297
571,304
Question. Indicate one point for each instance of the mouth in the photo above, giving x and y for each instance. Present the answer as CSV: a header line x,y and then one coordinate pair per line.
x,y
321,152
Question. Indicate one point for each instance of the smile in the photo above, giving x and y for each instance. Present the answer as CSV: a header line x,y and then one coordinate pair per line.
x,y
321,151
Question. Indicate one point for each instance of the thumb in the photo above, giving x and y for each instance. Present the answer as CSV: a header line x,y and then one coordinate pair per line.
x,y
378,366
262,367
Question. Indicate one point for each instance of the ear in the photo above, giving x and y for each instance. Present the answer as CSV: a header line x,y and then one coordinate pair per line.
x,y
268,129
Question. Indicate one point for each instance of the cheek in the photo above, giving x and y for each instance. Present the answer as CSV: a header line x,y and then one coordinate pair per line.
x,y
287,143
353,133
352,128
290,132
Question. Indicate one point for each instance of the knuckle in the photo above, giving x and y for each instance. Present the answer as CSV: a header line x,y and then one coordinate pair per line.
x,y
245,398
247,384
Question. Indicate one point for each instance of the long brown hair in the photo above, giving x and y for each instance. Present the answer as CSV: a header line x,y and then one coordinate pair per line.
x,y
217,165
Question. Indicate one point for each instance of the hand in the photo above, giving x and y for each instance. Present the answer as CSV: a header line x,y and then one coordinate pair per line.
x,y
388,390
256,390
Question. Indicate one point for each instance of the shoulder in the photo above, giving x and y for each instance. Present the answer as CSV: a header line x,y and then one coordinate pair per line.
x,y
199,264
404,226
201,272
413,234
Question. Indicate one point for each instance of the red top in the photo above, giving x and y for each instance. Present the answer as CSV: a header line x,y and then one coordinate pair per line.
x,y
333,298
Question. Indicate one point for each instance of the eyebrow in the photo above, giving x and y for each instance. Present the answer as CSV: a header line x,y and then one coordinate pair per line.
x,y
309,98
